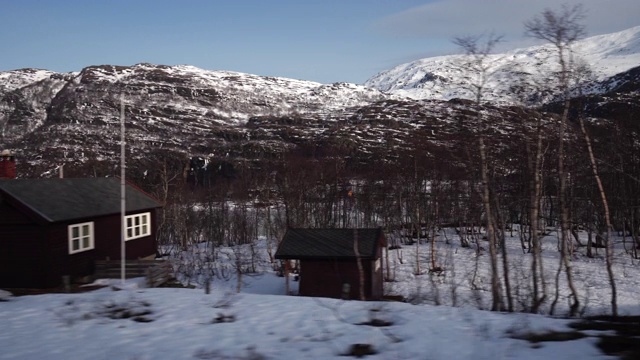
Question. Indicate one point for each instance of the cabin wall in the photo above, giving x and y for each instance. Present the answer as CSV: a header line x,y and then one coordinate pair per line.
x,y
108,239
107,242
37,255
22,256
325,278
9,215
21,250
60,262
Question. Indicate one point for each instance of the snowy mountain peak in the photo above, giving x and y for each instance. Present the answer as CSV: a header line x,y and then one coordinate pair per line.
x,y
15,79
516,74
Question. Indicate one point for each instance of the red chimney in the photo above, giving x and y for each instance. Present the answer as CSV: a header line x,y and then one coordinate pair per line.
x,y
7,165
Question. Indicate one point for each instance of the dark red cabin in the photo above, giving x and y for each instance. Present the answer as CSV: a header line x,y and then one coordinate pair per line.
x,y
328,261
50,228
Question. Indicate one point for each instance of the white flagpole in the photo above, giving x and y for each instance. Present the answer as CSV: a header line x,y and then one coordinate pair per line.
x,y
123,226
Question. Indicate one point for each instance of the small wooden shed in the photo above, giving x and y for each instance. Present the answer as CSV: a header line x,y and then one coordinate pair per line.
x,y
50,228
329,261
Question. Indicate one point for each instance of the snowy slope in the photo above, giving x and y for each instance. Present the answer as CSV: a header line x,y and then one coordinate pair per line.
x,y
180,324
516,74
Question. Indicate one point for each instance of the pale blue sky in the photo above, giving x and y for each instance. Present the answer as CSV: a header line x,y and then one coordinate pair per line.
x,y
319,40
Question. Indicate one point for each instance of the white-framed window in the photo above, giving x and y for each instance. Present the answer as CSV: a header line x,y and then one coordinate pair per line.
x,y
81,237
137,225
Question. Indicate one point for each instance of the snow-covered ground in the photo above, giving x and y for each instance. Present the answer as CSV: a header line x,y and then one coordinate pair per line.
x,y
458,288
261,322
189,324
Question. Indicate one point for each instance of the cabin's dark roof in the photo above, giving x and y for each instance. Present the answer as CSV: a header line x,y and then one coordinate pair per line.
x,y
328,243
68,199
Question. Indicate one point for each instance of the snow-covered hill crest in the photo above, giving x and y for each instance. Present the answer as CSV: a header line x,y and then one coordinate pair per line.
x,y
518,76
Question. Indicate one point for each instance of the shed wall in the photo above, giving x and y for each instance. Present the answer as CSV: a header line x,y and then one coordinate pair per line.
x,y
325,278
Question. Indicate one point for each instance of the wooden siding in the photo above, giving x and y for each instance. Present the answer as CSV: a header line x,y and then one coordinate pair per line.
x,y
11,215
33,255
325,278
60,261
22,256
107,239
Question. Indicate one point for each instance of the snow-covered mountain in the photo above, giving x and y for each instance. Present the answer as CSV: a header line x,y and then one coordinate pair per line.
x,y
50,118
75,116
164,96
518,76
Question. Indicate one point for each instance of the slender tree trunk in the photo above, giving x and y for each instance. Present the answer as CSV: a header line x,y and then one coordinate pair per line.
x,y
356,251
590,243
417,226
537,272
505,259
496,292
607,218
564,210
434,265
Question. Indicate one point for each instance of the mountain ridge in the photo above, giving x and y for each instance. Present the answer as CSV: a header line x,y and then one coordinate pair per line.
x,y
442,78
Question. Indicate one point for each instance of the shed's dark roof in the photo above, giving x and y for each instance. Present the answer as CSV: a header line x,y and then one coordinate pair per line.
x,y
68,199
328,243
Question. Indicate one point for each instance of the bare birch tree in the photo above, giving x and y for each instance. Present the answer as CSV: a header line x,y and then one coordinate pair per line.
x,y
476,65
535,184
562,29
583,70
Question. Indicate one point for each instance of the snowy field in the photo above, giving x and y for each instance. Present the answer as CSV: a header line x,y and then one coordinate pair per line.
x,y
262,323
188,324
457,287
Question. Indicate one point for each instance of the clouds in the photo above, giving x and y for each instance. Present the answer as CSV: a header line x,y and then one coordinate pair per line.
x,y
444,19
